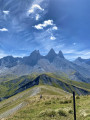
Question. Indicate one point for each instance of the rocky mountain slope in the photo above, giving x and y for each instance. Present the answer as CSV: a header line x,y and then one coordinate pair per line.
x,y
36,63
83,62
15,86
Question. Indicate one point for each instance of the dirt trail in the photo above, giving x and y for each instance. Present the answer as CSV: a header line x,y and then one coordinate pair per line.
x,y
4,115
11,111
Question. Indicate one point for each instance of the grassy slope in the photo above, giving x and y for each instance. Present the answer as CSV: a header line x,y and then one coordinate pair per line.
x,y
19,98
71,82
54,105
7,77
9,87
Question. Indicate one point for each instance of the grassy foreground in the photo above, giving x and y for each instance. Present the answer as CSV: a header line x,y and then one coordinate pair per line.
x,y
55,104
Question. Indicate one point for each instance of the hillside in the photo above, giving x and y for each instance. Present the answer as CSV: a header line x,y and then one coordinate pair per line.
x,y
55,104
12,87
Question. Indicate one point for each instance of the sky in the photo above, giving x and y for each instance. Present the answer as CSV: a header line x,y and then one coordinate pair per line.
x,y
28,25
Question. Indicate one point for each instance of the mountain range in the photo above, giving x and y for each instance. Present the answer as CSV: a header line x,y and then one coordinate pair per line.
x,y
78,70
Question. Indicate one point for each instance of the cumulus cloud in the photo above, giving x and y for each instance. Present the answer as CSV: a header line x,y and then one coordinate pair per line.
x,y
45,24
6,12
55,28
53,38
50,30
34,7
4,30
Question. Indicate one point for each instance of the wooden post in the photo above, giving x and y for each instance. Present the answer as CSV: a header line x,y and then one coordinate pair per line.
x,y
74,105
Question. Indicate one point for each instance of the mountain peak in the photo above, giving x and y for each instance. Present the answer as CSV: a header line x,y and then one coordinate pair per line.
x,y
51,51
79,59
60,54
51,55
33,58
35,52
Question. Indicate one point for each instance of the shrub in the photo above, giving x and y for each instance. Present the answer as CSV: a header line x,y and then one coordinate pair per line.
x,y
65,102
54,102
62,113
51,113
70,111
77,97
47,102
48,113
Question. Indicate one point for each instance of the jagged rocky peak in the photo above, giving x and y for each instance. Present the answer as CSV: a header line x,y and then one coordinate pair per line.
x,y
8,57
52,52
35,55
9,61
35,52
60,54
33,58
51,55
79,59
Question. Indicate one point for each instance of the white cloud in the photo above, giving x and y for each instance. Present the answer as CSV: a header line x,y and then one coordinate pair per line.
x,y
6,12
88,53
3,30
45,24
39,26
55,28
35,6
69,51
72,54
37,16
53,38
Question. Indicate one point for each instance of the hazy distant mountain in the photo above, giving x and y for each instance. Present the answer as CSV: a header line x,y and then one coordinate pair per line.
x,y
9,61
83,62
79,61
52,62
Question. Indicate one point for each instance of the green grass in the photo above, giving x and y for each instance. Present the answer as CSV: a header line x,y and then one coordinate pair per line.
x,y
54,105
8,88
38,109
65,79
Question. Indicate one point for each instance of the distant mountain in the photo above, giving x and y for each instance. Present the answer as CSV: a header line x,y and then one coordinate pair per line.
x,y
52,55
83,62
79,61
79,70
9,61
32,59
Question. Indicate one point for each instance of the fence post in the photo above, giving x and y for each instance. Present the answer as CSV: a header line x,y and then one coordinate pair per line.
x,y
74,105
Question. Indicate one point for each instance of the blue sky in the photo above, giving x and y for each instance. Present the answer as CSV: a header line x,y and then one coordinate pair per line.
x,y
26,25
